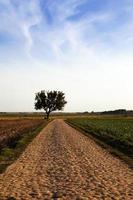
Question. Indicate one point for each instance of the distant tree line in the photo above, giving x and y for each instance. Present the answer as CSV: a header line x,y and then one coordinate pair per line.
x,y
118,112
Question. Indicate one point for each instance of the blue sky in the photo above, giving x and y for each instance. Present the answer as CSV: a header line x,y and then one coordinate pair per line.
x,y
81,47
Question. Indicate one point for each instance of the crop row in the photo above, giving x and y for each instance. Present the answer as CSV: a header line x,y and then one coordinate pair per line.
x,y
10,130
117,132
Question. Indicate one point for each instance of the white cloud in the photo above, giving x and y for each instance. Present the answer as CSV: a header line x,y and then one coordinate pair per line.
x,y
19,20
86,58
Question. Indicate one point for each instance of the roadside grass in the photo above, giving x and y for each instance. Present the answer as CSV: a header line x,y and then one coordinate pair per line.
x,y
12,151
114,134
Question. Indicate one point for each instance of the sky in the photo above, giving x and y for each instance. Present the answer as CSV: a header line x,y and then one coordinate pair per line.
x,y
83,48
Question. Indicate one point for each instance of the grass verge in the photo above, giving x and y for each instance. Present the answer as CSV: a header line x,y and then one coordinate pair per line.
x,y
11,152
104,143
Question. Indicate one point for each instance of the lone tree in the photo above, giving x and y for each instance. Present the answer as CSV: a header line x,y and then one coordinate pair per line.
x,y
50,101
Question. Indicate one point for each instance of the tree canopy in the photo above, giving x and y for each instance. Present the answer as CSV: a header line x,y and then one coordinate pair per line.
x,y
50,101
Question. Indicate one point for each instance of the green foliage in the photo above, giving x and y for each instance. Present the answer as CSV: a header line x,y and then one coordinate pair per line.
x,y
117,132
7,152
50,101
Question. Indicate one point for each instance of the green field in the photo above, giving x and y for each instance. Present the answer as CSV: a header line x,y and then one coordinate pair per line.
x,y
116,132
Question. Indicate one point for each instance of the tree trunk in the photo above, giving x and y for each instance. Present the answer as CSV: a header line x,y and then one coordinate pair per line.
x,y
47,115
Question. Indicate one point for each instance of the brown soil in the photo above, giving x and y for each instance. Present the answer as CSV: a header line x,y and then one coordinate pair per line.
x,y
61,163
12,129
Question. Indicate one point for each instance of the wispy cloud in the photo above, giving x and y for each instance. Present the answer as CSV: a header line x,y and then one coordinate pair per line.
x,y
71,31
84,41
17,18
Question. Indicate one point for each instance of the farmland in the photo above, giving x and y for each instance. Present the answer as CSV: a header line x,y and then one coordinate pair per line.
x,y
62,163
10,130
116,132
15,135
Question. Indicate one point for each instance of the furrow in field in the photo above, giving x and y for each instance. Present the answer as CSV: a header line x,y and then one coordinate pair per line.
x,y
63,163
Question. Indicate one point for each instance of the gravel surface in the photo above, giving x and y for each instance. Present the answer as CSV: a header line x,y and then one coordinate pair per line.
x,y
62,163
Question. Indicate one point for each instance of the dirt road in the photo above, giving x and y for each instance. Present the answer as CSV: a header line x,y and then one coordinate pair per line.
x,y
63,163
